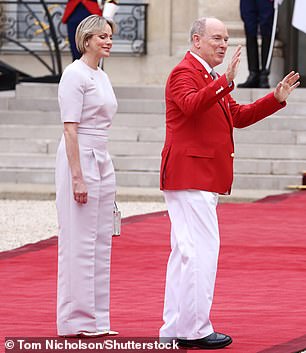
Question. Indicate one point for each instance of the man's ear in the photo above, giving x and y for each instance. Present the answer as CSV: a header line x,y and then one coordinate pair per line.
x,y
196,40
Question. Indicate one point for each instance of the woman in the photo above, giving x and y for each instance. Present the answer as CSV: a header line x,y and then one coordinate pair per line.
x,y
85,186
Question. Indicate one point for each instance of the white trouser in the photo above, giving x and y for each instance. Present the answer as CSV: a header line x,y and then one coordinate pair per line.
x,y
192,264
85,237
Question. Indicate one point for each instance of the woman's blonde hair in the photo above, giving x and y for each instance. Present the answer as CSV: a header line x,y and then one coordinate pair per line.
x,y
87,28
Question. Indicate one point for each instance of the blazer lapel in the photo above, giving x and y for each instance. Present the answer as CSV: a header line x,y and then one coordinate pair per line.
x,y
208,79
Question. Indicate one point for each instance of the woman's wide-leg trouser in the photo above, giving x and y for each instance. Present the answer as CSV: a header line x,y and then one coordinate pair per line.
x,y
192,264
85,236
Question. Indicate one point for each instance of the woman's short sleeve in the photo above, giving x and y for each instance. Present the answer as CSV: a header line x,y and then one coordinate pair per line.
x,y
70,96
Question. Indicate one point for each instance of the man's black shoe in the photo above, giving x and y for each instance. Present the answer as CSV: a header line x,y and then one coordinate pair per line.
x,y
213,341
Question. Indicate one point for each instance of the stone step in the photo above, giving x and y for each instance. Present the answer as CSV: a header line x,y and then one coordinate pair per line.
x,y
135,148
279,122
269,155
33,161
31,132
131,155
258,137
152,163
277,182
242,136
54,132
24,118
251,95
156,121
144,134
121,148
136,106
297,96
25,146
265,151
26,175
45,90
137,179
294,108
269,166
140,120
4,103
38,104
47,161
140,92
30,92
149,106
141,164
30,117
53,118
33,89
246,136
149,178
153,148
25,191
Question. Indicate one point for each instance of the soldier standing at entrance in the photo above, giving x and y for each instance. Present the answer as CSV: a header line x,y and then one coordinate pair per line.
x,y
75,12
257,14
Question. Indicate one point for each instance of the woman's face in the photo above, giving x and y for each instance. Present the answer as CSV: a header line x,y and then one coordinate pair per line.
x,y
100,44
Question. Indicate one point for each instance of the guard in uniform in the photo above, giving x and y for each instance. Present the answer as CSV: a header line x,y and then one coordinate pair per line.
x,y
75,12
257,14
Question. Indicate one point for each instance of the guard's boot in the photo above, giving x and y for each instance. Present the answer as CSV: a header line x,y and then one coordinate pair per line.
x,y
264,79
252,81
253,63
265,71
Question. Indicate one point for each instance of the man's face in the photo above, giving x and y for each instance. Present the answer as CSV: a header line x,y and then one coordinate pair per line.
x,y
212,45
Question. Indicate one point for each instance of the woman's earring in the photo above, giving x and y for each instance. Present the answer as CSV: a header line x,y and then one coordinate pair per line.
x,y
86,44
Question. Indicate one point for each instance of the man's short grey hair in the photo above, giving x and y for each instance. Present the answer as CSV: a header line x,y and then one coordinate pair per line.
x,y
198,27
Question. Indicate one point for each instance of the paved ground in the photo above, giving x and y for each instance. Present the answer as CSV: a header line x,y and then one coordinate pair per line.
x,y
24,219
23,222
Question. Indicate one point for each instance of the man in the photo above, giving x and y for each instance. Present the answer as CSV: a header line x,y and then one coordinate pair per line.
x,y
257,14
197,165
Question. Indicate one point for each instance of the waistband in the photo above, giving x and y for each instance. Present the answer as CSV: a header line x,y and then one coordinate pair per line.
x,y
93,132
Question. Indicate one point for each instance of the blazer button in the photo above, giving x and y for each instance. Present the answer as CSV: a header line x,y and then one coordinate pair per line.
x,y
232,154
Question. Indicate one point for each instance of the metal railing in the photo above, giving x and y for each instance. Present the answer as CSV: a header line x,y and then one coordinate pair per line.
x,y
35,27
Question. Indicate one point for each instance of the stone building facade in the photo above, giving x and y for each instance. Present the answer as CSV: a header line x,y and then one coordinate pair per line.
x,y
167,23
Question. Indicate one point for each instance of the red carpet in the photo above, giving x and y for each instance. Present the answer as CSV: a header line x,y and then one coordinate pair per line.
x,y
260,296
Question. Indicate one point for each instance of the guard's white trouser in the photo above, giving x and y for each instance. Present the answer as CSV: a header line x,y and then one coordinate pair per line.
x,y
85,236
192,264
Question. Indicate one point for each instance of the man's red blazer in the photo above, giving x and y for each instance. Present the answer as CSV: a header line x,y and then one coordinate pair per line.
x,y
91,5
200,117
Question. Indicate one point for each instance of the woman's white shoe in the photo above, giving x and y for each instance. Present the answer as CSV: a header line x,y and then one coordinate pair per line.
x,y
97,334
